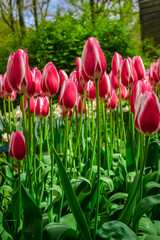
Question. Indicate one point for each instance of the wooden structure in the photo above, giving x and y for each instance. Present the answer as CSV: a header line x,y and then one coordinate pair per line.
x,y
150,19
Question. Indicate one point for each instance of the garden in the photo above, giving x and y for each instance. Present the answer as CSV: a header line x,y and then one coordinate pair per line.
x,y
79,135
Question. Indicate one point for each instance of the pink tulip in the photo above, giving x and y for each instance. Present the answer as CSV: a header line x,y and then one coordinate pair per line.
x,y
111,103
82,78
63,76
17,146
68,95
38,79
80,90
18,72
73,76
90,91
128,73
147,113
79,104
42,107
116,64
105,90
114,81
7,90
153,74
69,113
13,96
32,105
124,92
139,67
158,68
93,59
50,80
1,87
32,88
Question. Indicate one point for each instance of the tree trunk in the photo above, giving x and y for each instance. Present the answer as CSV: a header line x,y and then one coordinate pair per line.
x,y
92,3
35,13
21,16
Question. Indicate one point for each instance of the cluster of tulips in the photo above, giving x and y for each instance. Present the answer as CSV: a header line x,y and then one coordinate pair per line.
x,y
128,81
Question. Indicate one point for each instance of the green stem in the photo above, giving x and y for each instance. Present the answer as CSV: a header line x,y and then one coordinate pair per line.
x,y
92,120
66,142
98,159
9,110
34,149
14,120
19,196
106,141
86,122
121,111
5,114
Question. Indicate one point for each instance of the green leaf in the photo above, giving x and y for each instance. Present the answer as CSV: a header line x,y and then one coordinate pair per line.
x,y
5,188
151,237
16,203
146,226
58,231
4,235
72,199
149,186
116,196
69,220
108,183
143,206
116,230
32,224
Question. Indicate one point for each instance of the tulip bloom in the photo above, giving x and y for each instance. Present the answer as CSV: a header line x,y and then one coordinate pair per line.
x,y
50,80
1,86
79,104
128,73
93,59
13,96
73,76
124,92
63,76
82,78
38,79
80,89
153,74
17,146
42,107
69,113
105,90
90,91
111,103
147,113
18,72
32,105
139,67
114,81
68,95
158,68
7,90
116,64
32,88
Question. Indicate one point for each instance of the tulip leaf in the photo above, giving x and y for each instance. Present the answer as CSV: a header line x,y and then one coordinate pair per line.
x,y
16,203
153,155
4,235
32,224
72,199
146,226
69,220
58,231
129,152
143,206
152,237
115,230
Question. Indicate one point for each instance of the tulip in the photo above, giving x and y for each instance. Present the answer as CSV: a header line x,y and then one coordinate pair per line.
x,y
50,80
73,76
63,76
68,95
128,73
32,88
124,92
147,113
116,64
42,107
13,96
18,72
1,87
114,81
111,103
69,113
38,79
138,88
32,105
90,91
82,78
105,90
153,74
80,89
79,104
93,59
7,90
139,67
158,68
17,146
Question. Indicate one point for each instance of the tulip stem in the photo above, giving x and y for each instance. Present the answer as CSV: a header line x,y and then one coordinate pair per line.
x,y
121,111
86,121
52,157
92,120
9,111
14,120
66,141
34,148
46,134
5,114
98,159
106,159
19,196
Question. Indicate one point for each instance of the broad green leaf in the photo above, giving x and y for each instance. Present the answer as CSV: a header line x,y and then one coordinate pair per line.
x,y
32,223
69,220
4,235
72,199
5,188
149,186
157,226
116,196
108,183
16,203
116,230
152,237
143,206
58,231
146,226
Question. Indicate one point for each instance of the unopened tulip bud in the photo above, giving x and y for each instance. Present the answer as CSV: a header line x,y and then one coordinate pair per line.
x,y
31,89
69,113
17,146
73,76
128,73
93,59
32,105
105,90
82,78
7,90
114,81
63,76
111,103
79,104
1,87
80,89
124,92
13,96
38,79
153,74
139,67
68,95
50,80
90,91
147,113
42,107
116,64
